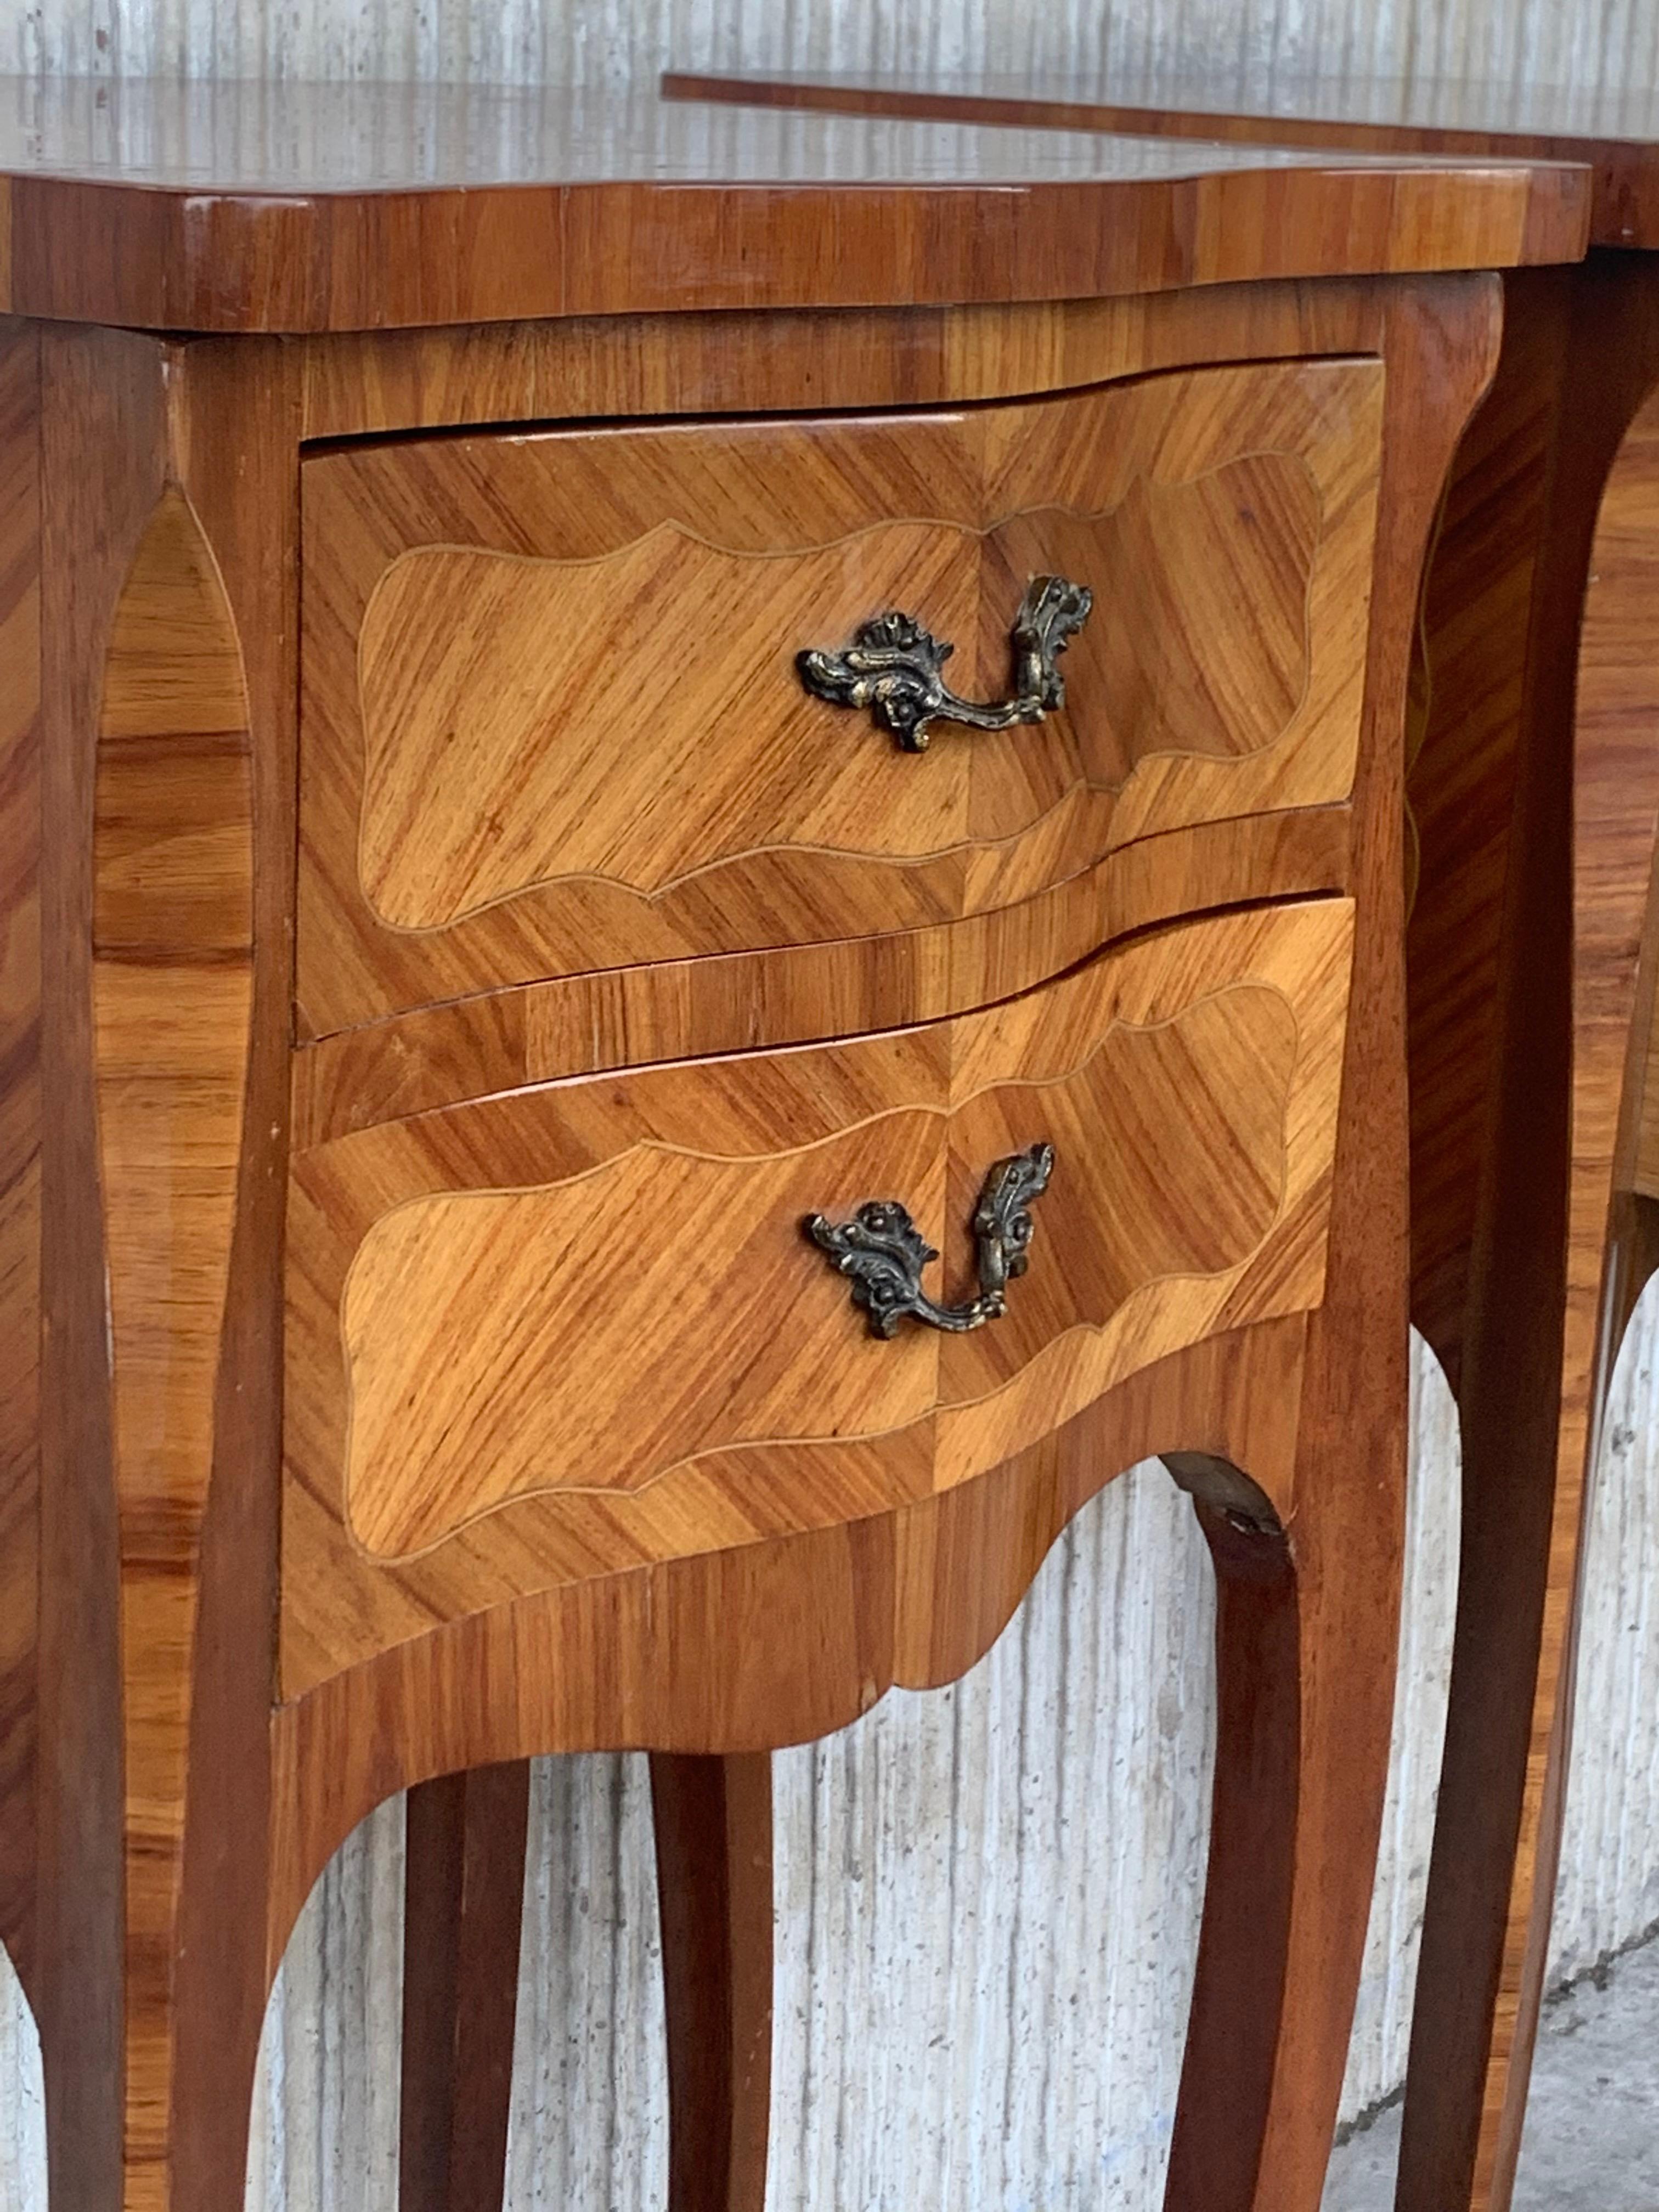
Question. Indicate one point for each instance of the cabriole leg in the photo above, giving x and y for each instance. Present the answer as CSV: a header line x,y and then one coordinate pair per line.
x,y
1305,1636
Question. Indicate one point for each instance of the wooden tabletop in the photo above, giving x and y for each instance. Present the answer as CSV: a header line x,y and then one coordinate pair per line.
x,y
295,207
1615,132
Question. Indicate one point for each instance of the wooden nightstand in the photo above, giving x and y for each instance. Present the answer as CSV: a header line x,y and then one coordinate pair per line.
x,y
518,946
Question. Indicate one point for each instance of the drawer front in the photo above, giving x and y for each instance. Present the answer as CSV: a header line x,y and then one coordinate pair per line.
x,y
552,720
553,1334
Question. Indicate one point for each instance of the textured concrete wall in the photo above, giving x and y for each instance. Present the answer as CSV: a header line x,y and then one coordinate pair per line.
x,y
987,1896
1524,42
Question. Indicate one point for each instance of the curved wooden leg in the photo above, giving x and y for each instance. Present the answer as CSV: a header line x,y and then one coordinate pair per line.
x,y
463,1907
1548,1273
713,1831
1609,1242
1305,1636
1504,1350
1308,1566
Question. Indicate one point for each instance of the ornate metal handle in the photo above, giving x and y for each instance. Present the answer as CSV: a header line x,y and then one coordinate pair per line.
x,y
883,1253
894,667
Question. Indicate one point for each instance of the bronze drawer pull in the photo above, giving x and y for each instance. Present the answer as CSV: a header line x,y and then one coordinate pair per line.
x,y
883,1253
895,667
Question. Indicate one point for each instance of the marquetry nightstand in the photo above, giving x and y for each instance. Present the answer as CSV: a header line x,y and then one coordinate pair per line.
x,y
626,742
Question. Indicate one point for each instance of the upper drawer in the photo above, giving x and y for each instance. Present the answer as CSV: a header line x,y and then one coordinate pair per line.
x,y
552,719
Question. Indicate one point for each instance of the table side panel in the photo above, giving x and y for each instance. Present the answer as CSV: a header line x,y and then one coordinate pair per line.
x,y
20,1130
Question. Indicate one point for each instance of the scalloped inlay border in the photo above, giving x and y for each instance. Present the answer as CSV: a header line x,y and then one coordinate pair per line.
x,y
635,719
915,1112
462,829
494,1337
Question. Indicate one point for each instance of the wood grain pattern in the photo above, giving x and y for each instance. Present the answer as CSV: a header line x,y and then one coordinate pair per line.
x,y
1502,599
103,468
1609,1246
492,760
865,1604
1479,596
172,995
436,1055
1503,602
1499,617
228,262
712,1820
362,383
1002,1527
1482,714
1334,111
508,799
556,1286
463,1891
1491,1875
166,1013
236,417
1221,1114
1273,1659
391,1715
1644,1167
616,214
1615,815
20,1132
1496,1292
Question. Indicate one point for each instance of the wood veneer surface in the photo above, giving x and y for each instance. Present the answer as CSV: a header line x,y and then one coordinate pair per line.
x,y
1611,1237
552,724
469,1288
171,1007
19,1135
296,207
173,467
1615,132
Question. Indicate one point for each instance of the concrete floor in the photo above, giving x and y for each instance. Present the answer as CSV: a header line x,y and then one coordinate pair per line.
x,y
1592,2140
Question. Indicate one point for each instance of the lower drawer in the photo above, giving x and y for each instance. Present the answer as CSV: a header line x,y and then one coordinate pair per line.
x,y
556,1333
